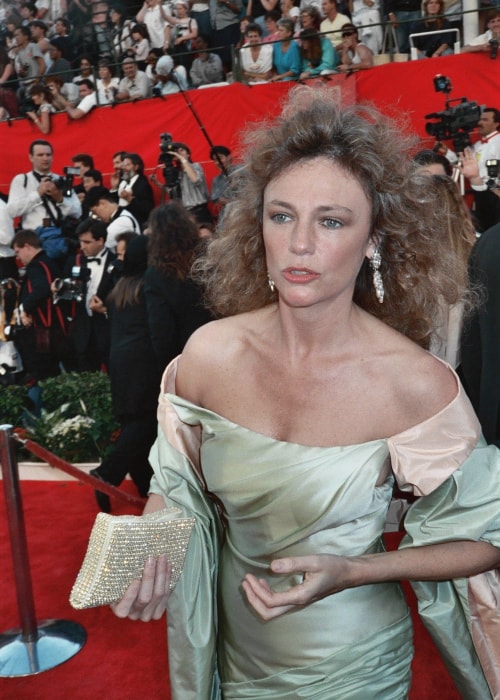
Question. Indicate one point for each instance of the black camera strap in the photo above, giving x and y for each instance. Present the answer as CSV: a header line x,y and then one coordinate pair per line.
x,y
46,319
53,212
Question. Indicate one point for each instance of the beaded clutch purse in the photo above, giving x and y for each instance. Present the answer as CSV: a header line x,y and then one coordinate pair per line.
x,y
117,551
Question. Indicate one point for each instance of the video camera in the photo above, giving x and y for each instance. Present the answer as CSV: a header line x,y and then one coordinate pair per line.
x,y
72,288
65,183
454,122
171,169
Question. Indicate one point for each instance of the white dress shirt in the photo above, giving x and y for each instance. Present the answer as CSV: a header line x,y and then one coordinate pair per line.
x,y
24,201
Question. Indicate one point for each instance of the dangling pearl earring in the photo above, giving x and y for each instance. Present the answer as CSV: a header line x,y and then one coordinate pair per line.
x,y
378,284
270,282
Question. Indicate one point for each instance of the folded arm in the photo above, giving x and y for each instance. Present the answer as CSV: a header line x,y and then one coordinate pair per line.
x,y
326,574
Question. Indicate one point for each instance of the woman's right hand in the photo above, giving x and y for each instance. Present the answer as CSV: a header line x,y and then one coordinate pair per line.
x,y
146,599
468,165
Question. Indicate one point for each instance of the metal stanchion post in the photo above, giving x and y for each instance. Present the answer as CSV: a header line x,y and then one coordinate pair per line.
x,y
34,647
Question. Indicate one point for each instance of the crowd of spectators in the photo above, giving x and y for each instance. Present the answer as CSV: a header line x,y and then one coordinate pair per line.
x,y
89,53
76,230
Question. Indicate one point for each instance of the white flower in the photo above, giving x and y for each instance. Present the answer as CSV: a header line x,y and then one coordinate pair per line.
x,y
71,426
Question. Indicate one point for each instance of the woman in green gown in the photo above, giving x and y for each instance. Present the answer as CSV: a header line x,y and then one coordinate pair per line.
x,y
284,426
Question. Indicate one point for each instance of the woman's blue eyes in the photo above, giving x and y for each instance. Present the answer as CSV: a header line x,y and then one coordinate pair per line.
x,y
329,223
280,218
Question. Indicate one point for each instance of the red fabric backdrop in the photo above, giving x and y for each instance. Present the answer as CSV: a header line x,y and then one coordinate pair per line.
x,y
399,88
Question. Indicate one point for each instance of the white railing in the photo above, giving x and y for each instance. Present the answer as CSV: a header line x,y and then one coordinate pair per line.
x,y
456,45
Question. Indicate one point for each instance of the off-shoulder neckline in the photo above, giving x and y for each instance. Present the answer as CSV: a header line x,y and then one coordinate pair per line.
x,y
179,400
175,398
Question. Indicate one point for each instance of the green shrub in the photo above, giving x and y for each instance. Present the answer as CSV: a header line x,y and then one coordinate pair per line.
x,y
68,436
76,422
13,401
84,395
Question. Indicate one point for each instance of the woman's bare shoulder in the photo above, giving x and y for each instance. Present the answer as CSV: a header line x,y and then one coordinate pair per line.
x,y
421,384
213,352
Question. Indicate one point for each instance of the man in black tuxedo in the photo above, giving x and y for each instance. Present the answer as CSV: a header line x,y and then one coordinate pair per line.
x,y
43,325
134,191
480,347
95,269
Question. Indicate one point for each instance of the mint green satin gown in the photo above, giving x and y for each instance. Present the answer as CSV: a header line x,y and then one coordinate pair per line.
x,y
277,499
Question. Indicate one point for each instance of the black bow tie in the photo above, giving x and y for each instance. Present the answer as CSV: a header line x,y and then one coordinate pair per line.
x,y
94,260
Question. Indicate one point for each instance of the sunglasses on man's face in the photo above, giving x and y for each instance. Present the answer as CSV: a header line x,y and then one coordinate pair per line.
x,y
348,33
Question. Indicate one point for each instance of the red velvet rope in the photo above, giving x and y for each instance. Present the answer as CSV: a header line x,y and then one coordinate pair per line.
x,y
82,476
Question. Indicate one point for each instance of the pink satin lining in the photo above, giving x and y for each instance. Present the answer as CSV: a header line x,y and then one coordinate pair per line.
x,y
428,453
484,602
185,438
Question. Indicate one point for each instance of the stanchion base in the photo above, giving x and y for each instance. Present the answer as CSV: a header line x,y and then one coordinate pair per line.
x,y
58,641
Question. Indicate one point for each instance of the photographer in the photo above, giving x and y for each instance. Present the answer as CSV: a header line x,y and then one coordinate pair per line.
x,y
473,166
488,41
190,185
35,196
41,338
87,280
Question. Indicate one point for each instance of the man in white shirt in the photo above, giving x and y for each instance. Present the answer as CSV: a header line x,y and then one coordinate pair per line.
x,y
333,22
102,204
135,85
35,197
88,100
486,201
486,41
169,80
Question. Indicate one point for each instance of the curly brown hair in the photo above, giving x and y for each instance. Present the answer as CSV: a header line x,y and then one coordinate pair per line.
x,y
173,239
419,268
458,229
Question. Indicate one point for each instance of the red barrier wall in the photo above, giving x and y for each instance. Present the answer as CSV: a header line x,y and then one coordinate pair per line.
x,y
397,88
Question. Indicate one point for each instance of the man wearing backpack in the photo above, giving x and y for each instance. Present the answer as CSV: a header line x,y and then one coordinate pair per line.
x,y
38,197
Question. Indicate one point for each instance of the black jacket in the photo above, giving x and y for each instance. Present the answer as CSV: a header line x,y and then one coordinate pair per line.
x,y
35,294
83,324
133,369
480,348
175,311
142,201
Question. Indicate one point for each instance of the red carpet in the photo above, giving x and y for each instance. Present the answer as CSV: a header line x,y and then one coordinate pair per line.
x,y
121,660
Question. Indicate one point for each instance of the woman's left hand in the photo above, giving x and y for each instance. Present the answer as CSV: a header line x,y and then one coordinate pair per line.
x,y
324,574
